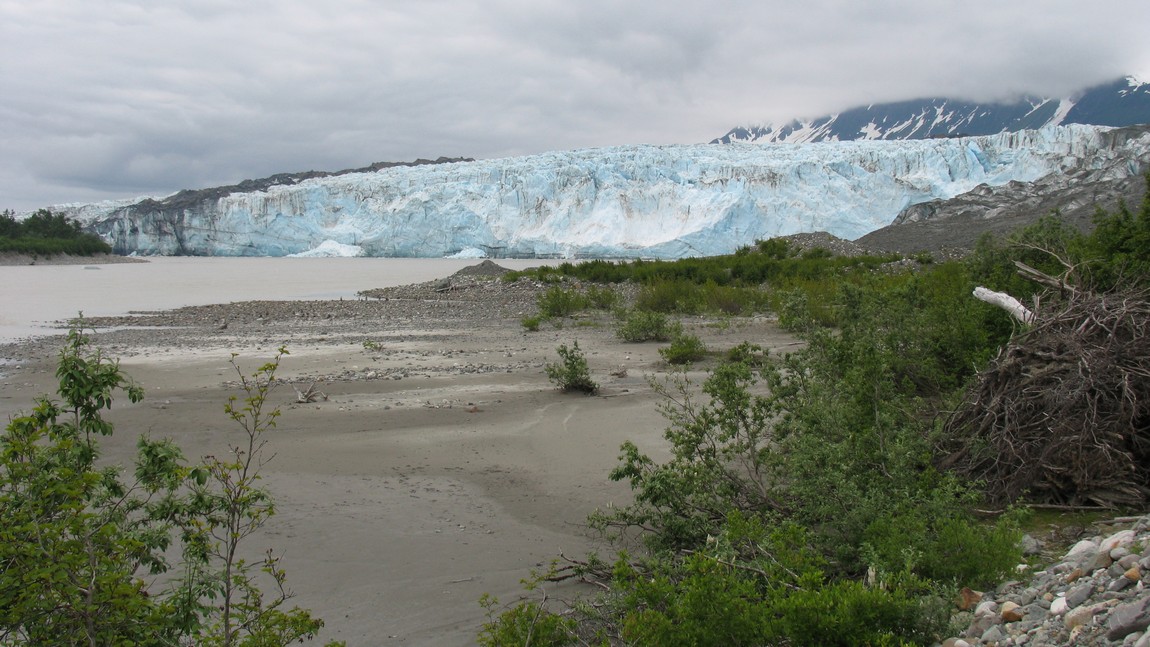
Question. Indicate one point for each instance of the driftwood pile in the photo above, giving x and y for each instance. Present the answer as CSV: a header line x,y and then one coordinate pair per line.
x,y
1062,415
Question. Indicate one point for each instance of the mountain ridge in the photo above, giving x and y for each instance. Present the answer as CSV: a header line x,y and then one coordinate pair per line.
x,y
1117,103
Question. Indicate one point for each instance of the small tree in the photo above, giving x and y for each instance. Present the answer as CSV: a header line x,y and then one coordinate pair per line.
x,y
645,325
77,540
228,506
572,374
684,349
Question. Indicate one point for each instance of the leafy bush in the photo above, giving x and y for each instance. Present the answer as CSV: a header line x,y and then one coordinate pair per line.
x,y
794,311
684,349
753,355
527,623
670,296
572,372
944,554
558,301
776,248
602,298
645,325
531,323
720,460
756,582
79,541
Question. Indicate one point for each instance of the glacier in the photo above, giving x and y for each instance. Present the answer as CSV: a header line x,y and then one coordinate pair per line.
x,y
620,202
330,249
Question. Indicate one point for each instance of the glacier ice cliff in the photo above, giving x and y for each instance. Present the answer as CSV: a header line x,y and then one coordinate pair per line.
x,y
629,201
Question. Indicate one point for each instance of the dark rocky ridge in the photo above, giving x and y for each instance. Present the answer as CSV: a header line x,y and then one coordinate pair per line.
x,y
189,198
956,224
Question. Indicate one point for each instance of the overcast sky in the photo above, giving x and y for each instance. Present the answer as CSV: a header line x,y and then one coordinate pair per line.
x,y
103,99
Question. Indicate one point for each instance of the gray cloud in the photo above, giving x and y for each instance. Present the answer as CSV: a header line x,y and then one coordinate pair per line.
x,y
105,99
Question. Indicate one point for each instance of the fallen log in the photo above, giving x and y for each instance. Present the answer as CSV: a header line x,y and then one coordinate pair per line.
x,y
1006,302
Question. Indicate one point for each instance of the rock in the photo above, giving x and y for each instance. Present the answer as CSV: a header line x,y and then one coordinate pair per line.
x,y
1066,604
1078,616
1120,539
993,635
1084,548
1118,584
1099,560
1127,618
1030,545
1078,595
1010,612
981,624
986,608
967,598
1027,596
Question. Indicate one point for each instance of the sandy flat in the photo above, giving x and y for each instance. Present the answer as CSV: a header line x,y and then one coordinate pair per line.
x,y
443,464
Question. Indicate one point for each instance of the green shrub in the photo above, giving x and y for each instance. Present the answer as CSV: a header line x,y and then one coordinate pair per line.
x,y
668,297
558,301
645,325
1115,253
958,552
752,586
531,323
850,613
84,549
526,623
571,373
753,355
794,311
731,300
684,349
701,603
602,298
685,296
776,248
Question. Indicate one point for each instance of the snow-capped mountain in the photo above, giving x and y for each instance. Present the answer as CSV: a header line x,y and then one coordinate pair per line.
x,y
634,201
1123,102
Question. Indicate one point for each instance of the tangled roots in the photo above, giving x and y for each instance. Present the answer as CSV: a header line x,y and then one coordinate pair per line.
x,y
1062,415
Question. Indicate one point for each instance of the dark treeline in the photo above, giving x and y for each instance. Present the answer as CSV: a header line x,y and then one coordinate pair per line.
x,y
45,233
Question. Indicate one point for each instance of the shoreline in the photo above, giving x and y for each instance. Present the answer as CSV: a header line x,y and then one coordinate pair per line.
x,y
443,464
9,259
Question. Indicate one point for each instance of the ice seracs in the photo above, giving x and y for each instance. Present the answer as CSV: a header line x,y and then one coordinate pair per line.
x,y
331,249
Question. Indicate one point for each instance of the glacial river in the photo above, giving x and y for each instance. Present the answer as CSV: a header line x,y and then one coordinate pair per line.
x,y
34,297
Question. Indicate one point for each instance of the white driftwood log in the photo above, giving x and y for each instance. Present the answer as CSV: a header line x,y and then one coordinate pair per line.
x,y
1006,302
